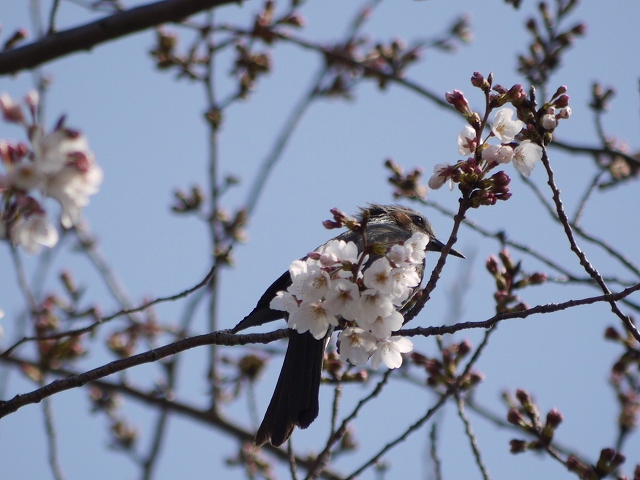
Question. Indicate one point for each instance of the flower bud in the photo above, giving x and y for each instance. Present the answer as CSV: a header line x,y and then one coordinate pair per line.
x,y
549,122
518,446
538,278
562,101
554,418
459,102
611,334
523,397
475,378
514,417
575,465
477,80
516,94
492,264
507,261
464,348
11,111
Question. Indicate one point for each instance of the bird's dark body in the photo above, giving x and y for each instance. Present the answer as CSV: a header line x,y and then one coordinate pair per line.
x,y
295,399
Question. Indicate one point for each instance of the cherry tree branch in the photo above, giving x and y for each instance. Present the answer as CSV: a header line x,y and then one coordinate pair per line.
x,y
222,337
586,264
85,37
206,416
546,308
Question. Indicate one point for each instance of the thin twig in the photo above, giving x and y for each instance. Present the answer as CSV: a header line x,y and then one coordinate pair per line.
x,y
124,311
52,17
626,320
214,236
585,197
577,229
323,458
282,139
161,427
52,440
472,438
293,467
452,390
433,451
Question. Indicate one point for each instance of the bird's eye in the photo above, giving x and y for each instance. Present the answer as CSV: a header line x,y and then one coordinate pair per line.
x,y
418,220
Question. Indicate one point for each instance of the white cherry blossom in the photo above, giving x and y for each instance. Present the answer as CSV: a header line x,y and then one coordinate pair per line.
x,y
378,276
356,345
505,127
498,153
313,317
467,141
374,304
344,299
33,232
525,157
389,351
383,327
441,173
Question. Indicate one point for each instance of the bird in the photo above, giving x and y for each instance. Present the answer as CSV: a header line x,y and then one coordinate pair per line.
x,y
295,401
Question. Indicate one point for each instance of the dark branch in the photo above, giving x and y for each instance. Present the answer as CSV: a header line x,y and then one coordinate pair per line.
x,y
187,410
87,36
222,337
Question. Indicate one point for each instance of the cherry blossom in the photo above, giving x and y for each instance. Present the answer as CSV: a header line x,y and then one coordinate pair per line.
x,y
498,153
505,127
313,317
389,351
344,299
374,304
34,231
356,345
441,173
525,157
467,141
383,327
284,301
418,243
378,277
316,285
324,292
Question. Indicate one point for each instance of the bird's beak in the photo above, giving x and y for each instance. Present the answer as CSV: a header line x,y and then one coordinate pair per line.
x,y
436,245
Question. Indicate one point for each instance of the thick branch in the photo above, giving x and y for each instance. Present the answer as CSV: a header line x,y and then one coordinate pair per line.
x,y
108,28
222,337
187,410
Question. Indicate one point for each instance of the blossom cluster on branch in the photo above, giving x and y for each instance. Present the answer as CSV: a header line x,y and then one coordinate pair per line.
x,y
58,164
337,283
520,139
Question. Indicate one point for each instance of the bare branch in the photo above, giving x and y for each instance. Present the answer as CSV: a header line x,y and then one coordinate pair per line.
x,y
222,337
114,26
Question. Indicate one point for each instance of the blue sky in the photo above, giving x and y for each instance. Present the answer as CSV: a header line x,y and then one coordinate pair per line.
x,y
148,135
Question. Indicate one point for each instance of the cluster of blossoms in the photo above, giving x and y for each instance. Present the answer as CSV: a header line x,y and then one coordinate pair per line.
x,y
58,164
519,132
336,283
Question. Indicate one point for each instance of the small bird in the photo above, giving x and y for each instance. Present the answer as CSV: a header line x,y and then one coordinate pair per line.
x,y
295,399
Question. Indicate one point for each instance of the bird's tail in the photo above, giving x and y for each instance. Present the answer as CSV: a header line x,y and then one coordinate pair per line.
x,y
295,399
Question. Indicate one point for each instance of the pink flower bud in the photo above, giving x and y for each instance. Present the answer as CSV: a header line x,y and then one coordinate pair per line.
x,y
554,418
459,102
562,101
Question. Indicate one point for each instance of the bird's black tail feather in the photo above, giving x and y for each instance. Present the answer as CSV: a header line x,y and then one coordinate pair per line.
x,y
295,399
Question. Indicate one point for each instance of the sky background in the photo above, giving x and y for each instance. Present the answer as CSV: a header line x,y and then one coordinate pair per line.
x,y
148,135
